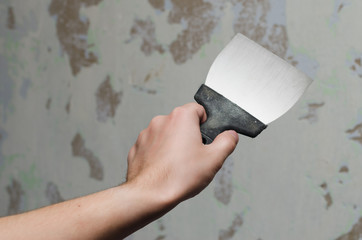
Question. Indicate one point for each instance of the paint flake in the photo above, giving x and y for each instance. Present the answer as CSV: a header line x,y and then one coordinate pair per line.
x,y
312,115
356,133
72,30
107,100
79,150
145,29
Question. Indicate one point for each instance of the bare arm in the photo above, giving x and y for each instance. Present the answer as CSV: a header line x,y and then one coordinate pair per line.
x,y
167,165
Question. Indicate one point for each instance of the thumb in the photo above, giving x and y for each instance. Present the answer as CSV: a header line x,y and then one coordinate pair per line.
x,y
224,144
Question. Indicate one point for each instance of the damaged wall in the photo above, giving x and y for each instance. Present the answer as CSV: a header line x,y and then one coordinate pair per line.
x,y
79,79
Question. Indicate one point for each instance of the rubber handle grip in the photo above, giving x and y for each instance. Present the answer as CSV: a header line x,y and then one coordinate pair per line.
x,y
223,114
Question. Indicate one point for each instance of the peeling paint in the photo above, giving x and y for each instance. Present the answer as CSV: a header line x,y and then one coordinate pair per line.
x,y
145,29
327,196
355,233
79,150
107,100
356,133
344,169
72,30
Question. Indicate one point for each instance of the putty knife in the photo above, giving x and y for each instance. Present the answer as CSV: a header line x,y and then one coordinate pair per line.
x,y
247,87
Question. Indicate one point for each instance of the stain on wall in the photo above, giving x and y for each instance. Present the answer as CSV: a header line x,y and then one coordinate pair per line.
x,y
52,193
232,229
48,103
25,85
161,228
16,197
107,100
67,106
72,31
11,19
223,189
312,115
3,136
79,150
6,87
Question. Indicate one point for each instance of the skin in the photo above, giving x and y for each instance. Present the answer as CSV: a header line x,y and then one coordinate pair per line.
x,y
167,165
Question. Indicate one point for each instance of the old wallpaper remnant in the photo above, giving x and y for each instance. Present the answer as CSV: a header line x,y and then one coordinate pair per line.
x,y
79,79
79,150
107,100
72,30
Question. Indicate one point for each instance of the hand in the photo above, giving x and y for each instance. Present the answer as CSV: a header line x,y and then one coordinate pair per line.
x,y
169,159
167,165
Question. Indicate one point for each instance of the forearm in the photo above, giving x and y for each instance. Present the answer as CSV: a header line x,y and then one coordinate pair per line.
x,y
109,214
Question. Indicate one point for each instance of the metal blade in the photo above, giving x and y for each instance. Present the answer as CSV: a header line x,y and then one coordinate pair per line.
x,y
256,80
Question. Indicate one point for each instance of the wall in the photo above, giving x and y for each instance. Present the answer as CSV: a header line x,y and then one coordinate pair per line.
x,y
80,79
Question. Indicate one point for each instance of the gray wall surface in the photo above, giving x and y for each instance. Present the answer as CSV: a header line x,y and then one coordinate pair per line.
x,y
80,79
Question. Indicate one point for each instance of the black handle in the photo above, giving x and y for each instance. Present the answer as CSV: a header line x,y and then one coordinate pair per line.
x,y
222,114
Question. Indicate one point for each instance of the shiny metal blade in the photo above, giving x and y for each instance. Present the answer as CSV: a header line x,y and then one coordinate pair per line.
x,y
255,79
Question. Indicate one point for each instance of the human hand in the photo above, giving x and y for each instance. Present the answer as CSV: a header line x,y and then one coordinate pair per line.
x,y
169,159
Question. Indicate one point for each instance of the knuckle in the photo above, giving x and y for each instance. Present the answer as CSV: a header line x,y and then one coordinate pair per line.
x,y
178,111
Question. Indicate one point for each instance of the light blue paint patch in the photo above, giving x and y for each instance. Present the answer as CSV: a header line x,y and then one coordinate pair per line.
x,y
276,15
307,65
25,85
84,19
338,7
168,5
6,87
3,136
237,8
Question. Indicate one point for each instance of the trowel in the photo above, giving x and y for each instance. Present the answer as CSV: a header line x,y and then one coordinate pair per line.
x,y
247,88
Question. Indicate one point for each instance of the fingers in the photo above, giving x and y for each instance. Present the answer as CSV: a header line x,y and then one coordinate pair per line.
x,y
223,145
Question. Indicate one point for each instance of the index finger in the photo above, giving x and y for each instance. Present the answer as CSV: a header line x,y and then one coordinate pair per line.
x,y
199,109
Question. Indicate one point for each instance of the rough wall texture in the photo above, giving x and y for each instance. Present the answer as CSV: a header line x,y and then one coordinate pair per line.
x,y
79,79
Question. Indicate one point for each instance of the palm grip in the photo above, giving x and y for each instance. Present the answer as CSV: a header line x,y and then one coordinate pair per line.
x,y
222,115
